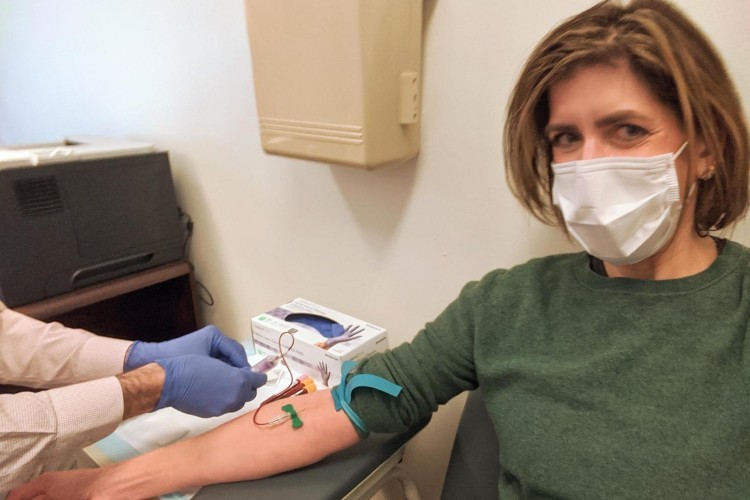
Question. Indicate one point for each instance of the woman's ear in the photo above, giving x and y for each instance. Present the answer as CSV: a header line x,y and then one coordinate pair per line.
x,y
705,164
708,172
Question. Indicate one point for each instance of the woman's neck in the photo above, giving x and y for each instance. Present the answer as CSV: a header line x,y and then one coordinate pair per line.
x,y
686,255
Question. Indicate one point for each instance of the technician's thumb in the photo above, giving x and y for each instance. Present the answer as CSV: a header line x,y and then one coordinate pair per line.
x,y
253,380
250,382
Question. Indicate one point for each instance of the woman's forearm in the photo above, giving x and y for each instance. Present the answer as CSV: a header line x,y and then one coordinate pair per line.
x,y
237,450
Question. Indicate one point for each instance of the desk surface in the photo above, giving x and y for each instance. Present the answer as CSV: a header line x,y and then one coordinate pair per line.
x,y
331,478
153,305
60,304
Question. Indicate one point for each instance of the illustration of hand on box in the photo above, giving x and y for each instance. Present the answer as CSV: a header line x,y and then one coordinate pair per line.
x,y
351,332
325,375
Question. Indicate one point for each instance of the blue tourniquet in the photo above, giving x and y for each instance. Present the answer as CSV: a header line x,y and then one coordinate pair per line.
x,y
342,394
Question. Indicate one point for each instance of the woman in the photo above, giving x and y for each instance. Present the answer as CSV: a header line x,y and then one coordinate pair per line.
x,y
618,372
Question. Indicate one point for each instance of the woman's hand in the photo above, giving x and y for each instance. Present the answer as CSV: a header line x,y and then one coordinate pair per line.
x,y
82,484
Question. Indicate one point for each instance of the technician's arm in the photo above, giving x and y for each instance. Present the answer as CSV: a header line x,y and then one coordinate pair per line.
x,y
235,451
42,431
43,355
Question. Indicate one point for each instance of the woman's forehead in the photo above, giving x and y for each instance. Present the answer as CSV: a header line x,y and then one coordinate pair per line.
x,y
596,90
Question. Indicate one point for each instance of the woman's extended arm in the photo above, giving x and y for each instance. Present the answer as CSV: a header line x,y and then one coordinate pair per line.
x,y
237,450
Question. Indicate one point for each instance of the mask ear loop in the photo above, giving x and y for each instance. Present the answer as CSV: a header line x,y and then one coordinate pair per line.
x,y
690,190
679,151
694,183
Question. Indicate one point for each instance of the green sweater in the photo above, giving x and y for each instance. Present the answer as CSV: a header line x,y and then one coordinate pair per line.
x,y
601,388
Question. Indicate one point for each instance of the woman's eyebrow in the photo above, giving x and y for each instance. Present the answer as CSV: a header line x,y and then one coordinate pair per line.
x,y
557,128
602,122
620,116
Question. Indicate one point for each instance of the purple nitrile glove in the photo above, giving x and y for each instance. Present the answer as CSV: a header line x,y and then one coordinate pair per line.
x,y
207,341
206,387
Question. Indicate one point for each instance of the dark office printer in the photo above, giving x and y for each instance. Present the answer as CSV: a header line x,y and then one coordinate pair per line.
x,y
80,212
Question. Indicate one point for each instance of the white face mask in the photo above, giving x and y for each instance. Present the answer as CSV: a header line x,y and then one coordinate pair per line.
x,y
620,209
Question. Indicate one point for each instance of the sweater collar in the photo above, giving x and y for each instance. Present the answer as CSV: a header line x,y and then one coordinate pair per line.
x,y
732,257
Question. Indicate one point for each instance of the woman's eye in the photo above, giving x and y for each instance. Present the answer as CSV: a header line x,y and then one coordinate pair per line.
x,y
629,132
563,139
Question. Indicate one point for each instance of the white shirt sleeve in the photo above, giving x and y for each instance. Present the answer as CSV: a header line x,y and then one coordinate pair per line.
x,y
41,431
41,355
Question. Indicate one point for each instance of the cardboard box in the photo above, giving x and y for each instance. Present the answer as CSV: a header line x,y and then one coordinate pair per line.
x,y
319,334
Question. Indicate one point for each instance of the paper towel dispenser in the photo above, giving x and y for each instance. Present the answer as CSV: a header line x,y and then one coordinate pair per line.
x,y
337,81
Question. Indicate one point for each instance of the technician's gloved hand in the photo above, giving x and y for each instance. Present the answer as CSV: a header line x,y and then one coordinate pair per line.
x,y
206,387
208,341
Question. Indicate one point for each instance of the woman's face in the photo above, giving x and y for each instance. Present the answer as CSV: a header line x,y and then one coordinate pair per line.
x,y
605,111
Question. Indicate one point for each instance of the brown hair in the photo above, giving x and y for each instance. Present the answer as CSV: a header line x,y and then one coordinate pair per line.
x,y
675,59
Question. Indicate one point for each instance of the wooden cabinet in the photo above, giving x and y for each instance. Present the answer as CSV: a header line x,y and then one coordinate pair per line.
x,y
154,305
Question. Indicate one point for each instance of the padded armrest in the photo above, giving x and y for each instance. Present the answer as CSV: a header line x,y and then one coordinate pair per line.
x,y
331,478
473,470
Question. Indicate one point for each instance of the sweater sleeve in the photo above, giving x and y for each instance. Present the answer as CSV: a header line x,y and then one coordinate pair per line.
x,y
41,355
435,366
39,431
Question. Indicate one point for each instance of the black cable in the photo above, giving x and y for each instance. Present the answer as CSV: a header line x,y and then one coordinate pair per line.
x,y
185,247
188,230
210,301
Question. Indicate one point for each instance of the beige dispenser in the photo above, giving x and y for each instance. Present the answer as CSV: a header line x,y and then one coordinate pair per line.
x,y
337,81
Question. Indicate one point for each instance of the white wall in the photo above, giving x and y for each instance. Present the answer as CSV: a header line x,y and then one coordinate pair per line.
x,y
393,246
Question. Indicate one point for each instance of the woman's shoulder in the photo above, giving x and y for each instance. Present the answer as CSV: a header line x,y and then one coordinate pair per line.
x,y
536,270
555,264
733,247
735,255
